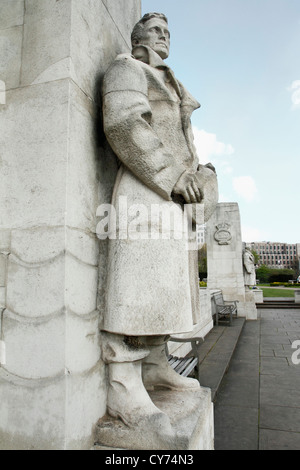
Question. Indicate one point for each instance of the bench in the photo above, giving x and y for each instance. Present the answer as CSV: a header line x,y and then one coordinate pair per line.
x,y
185,365
224,309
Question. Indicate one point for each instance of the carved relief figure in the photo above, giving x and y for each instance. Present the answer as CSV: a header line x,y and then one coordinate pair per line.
x,y
249,267
152,284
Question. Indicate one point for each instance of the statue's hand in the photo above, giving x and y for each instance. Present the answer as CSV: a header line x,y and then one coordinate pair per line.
x,y
209,166
188,188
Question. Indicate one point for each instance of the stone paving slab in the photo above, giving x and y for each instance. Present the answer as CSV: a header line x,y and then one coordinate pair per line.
x,y
236,429
258,402
278,440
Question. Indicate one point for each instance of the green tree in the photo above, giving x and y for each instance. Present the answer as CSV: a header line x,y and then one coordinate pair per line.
x,y
263,273
202,261
256,256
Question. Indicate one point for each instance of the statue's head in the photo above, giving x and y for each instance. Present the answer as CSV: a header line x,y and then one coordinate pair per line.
x,y
152,31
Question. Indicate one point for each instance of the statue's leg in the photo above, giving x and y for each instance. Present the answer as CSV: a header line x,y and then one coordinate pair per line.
x,y
127,397
157,372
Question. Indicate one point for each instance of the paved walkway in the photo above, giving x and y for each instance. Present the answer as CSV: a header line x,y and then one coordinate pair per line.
x,y
258,403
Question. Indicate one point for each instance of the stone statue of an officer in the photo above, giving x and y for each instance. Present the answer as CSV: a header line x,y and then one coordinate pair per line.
x,y
152,286
249,267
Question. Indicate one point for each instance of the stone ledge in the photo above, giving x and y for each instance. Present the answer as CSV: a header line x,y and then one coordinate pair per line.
x,y
216,352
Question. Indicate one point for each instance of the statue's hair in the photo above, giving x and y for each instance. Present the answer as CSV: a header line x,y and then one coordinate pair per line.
x,y
137,32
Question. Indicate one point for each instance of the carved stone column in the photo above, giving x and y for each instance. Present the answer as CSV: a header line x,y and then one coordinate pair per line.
x,y
52,381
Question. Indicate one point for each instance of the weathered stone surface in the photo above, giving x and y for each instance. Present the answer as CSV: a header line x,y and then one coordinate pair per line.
x,y
51,184
4,241
57,36
32,413
12,13
83,158
84,246
225,264
191,416
258,296
11,51
34,348
35,290
81,286
86,400
124,24
3,260
83,352
37,245
34,169
2,297
47,32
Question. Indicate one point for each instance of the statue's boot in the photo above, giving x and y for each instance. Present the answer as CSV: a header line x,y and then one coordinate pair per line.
x,y
157,372
129,400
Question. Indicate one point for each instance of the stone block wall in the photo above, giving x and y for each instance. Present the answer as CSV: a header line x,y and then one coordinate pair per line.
x,y
225,253
55,169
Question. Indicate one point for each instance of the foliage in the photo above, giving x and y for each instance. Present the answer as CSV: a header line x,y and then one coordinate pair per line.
x,y
256,256
266,275
202,261
262,273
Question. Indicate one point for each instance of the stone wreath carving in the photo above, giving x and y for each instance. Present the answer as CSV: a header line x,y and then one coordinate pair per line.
x,y
223,234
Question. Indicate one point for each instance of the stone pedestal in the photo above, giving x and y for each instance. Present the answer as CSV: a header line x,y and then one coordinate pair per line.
x,y
225,253
258,296
225,258
297,296
55,170
191,416
249,306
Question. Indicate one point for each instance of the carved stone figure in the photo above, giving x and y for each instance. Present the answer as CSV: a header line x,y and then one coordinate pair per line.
x,y
152,284
249,267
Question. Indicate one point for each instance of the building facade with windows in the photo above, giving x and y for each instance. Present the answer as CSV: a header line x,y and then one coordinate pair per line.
x,y
277,255
201,235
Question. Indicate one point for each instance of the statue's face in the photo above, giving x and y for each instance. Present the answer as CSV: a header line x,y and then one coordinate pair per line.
x,y
157,36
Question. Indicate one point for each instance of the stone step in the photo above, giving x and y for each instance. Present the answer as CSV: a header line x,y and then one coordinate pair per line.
x,y
278,304
216,352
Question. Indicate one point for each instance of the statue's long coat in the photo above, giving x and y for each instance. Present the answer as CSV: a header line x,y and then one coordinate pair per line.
x,y
249,269
152,286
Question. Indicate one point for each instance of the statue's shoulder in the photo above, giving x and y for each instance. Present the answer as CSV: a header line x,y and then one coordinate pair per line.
x,y
124,73
125,60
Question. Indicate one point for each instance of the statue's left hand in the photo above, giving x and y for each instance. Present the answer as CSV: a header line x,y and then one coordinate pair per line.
x,y
209,166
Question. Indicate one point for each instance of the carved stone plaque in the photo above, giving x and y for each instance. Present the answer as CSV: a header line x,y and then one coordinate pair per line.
x,y
223,234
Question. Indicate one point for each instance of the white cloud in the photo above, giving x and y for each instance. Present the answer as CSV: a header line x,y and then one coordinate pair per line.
x,y
295,90
208,147
245,187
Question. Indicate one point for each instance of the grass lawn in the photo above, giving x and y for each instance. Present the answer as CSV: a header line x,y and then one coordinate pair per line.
x,y
277,292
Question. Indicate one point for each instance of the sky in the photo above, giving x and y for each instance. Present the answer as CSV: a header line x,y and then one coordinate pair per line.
x,y
240,59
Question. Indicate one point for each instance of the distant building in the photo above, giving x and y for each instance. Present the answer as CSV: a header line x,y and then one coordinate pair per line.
x,y
277,255
201,235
